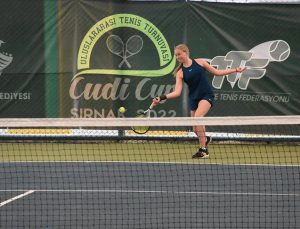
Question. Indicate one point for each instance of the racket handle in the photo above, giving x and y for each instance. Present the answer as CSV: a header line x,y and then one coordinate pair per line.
x,y
151,106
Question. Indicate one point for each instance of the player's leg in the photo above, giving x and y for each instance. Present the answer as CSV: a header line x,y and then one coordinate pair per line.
x,y
208,138
201,111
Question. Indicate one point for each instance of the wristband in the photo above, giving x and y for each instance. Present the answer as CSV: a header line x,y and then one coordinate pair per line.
x,y
162,97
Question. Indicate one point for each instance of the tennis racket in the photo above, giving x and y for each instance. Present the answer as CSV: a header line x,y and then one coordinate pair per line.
x,y
143,114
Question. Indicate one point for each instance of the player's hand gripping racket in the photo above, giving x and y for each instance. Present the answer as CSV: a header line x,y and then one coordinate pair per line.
x,y
144,114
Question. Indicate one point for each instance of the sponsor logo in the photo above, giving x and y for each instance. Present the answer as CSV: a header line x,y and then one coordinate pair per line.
x,y
256,61
123,49
5,58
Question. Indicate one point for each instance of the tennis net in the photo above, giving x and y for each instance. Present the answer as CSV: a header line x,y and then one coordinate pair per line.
x,y
99,173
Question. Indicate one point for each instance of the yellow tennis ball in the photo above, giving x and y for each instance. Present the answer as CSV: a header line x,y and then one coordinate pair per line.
x,y
122,109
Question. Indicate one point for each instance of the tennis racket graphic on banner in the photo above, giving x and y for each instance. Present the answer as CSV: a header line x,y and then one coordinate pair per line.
x,y
144,114
132,47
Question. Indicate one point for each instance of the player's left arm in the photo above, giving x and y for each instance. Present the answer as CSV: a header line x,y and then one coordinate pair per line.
x,y
218,72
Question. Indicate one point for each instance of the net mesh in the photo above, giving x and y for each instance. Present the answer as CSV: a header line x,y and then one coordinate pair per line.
x,y
81,173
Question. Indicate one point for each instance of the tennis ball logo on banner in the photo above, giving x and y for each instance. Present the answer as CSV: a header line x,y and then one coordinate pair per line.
x,y
256,60
124,49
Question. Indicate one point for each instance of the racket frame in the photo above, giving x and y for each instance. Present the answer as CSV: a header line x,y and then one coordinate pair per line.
x,y
145,114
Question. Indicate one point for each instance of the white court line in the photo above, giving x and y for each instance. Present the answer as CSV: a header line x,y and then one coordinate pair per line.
x,y
199,162
16,197
159,192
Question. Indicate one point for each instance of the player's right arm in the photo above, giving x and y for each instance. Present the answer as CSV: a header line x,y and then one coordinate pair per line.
x,y
177,91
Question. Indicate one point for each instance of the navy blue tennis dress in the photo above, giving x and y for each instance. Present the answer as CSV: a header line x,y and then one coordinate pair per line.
x,y
195,77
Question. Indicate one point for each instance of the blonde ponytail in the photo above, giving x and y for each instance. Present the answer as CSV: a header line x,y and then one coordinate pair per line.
x,y
177,69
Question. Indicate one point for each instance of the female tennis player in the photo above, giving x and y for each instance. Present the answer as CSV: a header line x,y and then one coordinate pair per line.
x,y
201,97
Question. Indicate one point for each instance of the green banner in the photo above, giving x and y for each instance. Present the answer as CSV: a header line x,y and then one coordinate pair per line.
x,y
88,58
119,56
22,59
122,59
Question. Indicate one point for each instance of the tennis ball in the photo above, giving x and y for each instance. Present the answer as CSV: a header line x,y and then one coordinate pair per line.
x,y
122,109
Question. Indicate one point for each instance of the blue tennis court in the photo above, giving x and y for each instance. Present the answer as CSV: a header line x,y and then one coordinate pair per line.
x,y
148,195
